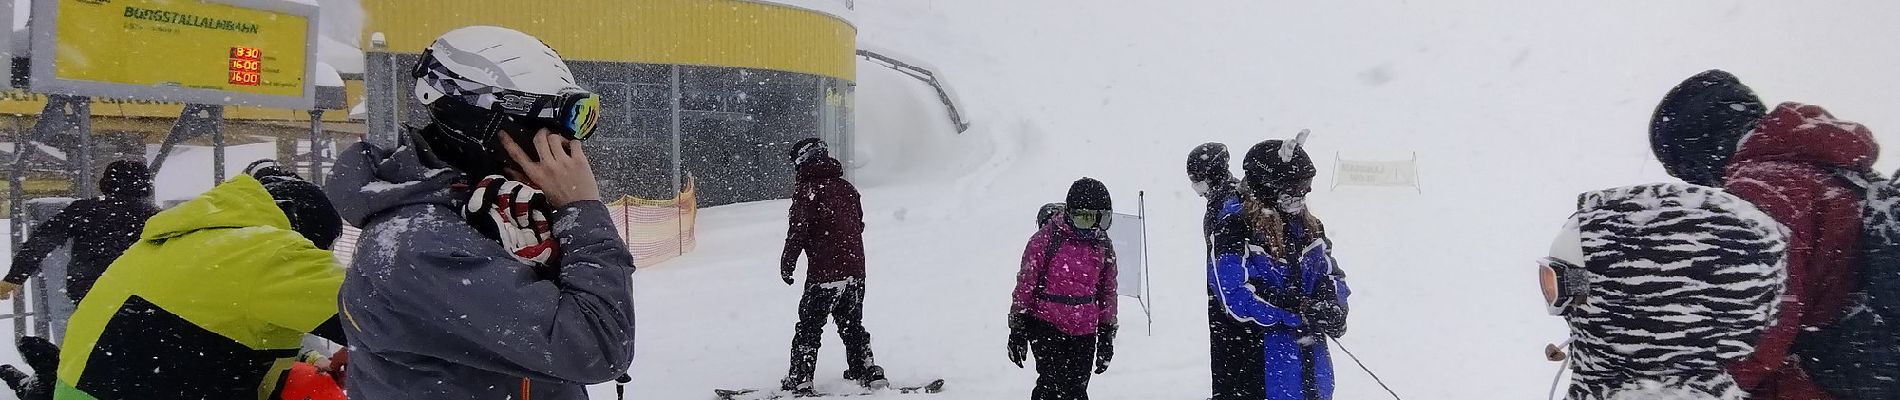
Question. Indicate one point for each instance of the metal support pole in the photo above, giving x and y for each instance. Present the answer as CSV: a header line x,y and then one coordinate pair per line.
x,y
317,147
674,107
1147,288
217,156
82,124
16,209
194,121
62,114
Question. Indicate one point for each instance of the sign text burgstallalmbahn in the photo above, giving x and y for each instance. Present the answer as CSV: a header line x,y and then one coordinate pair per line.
x,y
244,52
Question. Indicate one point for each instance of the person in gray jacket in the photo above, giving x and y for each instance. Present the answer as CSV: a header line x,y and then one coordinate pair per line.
x,y
488,267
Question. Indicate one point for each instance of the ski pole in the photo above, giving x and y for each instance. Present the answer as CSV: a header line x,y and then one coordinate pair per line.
x,y
620,386
1362,367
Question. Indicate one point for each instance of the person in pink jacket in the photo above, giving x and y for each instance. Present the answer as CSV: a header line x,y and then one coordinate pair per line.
x,y
1064,303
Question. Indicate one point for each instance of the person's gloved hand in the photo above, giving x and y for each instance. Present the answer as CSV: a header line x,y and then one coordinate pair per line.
x,y
1327,316
785,272
7,289
1104,346
515,209
340,365
1018,340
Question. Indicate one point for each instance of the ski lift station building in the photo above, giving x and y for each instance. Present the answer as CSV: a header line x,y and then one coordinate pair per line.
x,y
712,91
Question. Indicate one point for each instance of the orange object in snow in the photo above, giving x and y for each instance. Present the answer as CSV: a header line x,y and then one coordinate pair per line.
x,y
306,383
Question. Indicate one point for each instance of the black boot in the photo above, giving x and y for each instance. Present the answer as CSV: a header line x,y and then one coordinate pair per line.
x,y
796,385
871,377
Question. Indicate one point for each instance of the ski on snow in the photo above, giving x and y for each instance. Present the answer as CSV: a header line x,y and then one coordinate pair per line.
x,y
935,386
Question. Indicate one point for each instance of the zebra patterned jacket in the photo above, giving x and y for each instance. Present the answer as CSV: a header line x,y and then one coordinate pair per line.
x,y
1682,281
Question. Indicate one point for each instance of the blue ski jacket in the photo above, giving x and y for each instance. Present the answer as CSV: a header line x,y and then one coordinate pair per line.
x,y
1278,273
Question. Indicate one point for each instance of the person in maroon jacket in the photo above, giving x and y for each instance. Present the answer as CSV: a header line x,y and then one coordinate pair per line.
x,y
1788,162
1789,167
827,226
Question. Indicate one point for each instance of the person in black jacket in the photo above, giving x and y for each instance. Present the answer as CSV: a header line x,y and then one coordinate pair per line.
x,y
1235,347
101,228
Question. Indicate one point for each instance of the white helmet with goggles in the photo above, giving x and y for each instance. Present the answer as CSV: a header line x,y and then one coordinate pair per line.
x,y
481,80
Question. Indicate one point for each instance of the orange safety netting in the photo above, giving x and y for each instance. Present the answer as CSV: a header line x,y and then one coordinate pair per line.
x,y
654,230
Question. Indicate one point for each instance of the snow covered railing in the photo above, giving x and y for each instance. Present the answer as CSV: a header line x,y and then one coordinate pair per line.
x,y
923,73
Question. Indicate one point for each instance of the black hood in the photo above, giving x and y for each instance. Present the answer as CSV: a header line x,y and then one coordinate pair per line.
x,y
1698,125
126,179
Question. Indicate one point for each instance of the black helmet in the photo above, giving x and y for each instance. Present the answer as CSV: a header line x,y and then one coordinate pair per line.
x,y
1275,165
1208,163
126,179
310,212
1698,125
1089,194
481,80
805,150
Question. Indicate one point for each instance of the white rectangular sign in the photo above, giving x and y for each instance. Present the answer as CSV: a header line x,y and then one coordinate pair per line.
x,y
1126,234
1402,173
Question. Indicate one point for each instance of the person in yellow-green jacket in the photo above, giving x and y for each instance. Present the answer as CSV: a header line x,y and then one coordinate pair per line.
x,y
214,299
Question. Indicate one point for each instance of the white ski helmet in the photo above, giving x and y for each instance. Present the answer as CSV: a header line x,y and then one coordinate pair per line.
x,y
480,80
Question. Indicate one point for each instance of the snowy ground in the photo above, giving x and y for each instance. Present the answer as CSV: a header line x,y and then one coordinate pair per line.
x,y
1512,108
1511,111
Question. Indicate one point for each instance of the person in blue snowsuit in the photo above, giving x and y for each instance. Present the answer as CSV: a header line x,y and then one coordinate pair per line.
x,y
1234,347
1273,268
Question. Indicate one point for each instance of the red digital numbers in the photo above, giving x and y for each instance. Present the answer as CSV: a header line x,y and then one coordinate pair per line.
x,y
246,63
246,53
245,78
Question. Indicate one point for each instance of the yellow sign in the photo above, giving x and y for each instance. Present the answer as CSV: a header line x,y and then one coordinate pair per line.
x,y
229,54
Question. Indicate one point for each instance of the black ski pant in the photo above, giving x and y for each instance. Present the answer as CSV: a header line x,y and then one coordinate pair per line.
x,y
843,303
1235,349
1063,362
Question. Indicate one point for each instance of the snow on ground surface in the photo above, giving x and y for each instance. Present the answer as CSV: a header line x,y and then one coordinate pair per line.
x,y
1512,111
1513,108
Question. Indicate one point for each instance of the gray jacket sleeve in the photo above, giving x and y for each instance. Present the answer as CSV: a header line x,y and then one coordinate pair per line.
x,y
485,310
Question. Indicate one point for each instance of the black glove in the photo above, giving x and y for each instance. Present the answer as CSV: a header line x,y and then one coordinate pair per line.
x,y
786,275
1326,316
785,269
1104,346
1018,340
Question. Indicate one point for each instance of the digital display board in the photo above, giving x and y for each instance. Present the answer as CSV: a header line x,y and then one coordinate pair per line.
x,y
231,52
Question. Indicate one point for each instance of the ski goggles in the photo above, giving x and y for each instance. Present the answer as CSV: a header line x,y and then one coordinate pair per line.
x,y
1565,284
1091,219
573,113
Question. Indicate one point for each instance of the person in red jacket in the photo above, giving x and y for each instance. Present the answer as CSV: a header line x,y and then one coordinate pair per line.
x,y
1788,162
827,226
1789,167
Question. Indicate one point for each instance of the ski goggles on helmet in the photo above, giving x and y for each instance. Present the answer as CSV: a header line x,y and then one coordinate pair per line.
x,y
1562,276
573,113
1565,284
1091,219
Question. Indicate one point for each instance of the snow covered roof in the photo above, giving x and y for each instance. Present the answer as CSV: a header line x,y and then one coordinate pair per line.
x,y
343,56
842,9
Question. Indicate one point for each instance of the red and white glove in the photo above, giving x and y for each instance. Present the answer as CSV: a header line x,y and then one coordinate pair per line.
x,y
515,210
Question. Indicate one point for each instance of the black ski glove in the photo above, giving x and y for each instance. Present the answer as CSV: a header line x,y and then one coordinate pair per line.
x,y
785,272
1018,340
1326,316
1104,346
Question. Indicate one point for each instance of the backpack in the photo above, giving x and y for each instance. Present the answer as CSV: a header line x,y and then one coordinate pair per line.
x,y
1859,356
1047,211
